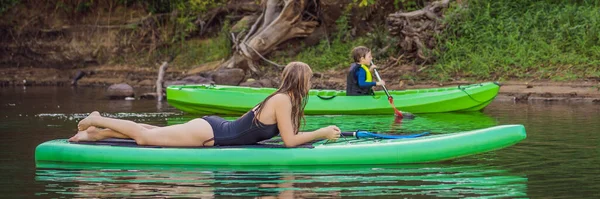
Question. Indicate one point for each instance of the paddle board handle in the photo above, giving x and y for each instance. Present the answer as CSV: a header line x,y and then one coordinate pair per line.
x,y
349,134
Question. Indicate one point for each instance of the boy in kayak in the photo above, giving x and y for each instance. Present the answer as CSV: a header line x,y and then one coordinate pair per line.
x,y
278,114
359,80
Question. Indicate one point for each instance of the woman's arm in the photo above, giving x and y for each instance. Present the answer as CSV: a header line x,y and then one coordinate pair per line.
x,y
283,114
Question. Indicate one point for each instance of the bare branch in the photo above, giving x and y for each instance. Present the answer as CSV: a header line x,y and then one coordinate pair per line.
x,y
253,28
409,15
437,4
252,67
265,59
431,15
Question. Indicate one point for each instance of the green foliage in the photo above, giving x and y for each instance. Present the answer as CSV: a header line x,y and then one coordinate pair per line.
x,y
196,52
408,5
191,53
74,7
84,6
342,24
336,54
161,6
7,4
183,6
397,4
174,34
187,11
490,39
332,55
363,3
380,38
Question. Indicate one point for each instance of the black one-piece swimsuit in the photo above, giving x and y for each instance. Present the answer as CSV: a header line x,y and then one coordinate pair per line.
x,y
243,131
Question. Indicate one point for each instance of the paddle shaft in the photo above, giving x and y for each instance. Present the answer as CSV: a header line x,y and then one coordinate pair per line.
x,y
390,98
366,134
379,79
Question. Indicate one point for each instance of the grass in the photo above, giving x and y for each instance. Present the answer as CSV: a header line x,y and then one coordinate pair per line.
x,y
326,56
487,39
335,52
195,52
190,53
484,40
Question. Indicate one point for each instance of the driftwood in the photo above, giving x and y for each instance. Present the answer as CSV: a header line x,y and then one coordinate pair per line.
x,y
280,21
159,81
417,30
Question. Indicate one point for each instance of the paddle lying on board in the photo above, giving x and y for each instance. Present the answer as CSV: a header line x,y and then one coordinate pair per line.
x,y
366,134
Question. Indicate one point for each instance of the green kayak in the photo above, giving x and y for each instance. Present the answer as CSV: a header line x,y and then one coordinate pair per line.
x,y
236,100
347,150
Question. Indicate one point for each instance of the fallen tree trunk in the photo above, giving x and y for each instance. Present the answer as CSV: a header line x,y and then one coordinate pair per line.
x,y
280,21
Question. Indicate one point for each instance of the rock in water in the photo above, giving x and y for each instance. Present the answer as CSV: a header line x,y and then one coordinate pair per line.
x,y
119,91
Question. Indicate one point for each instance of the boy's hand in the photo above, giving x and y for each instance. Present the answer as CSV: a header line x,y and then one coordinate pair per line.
x,y
373,66
380,83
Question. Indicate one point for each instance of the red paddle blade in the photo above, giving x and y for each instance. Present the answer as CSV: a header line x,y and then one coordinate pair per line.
x,y
397,121
398,113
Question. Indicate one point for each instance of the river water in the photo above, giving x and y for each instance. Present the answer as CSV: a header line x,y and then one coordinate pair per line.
x,y
560,157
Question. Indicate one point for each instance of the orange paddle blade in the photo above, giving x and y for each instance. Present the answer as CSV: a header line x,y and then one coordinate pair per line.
x,y
398,113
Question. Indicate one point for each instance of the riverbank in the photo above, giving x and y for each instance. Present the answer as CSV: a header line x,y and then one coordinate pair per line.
x,y
104,76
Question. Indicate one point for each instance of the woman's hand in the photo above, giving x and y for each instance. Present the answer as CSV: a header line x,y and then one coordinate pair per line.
x,y
380,83
331,133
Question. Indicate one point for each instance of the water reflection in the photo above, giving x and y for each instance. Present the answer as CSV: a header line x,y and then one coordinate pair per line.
x,y
435,122
559,158
431,180
119,105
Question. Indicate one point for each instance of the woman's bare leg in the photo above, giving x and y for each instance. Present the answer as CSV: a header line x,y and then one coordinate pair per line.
x,y
192,133
94,134
148,126
90,134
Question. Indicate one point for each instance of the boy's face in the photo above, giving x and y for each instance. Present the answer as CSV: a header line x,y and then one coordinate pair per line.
x,y
366,60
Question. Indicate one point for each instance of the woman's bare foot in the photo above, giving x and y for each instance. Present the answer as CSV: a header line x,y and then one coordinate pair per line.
x,y
90,134
87,122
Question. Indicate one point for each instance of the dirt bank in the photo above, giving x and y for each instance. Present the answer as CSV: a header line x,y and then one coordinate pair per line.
x,y
514,90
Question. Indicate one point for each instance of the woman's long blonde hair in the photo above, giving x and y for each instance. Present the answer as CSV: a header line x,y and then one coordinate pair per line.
x,y
295,82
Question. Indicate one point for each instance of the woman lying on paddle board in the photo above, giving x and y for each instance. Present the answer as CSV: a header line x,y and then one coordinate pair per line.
x,y
280,113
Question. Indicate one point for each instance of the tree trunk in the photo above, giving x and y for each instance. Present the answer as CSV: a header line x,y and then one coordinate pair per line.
x,y
280,21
